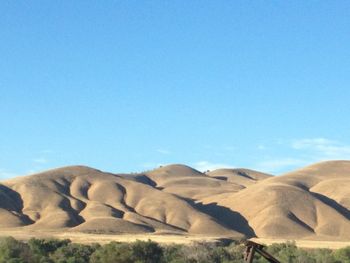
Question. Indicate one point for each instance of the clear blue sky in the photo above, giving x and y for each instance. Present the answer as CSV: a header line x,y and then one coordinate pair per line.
x,y
127,85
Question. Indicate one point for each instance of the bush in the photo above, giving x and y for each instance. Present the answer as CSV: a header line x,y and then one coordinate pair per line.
x,y
113,252
197,252
12,250
342,255
207,252
73,253
322,255
44,247
62,251
173,254
147,252
236,252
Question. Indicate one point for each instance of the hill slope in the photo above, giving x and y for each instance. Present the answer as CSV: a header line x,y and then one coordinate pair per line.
x,y
310,203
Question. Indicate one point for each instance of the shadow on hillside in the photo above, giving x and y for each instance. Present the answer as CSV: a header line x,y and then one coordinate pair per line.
x,y
334,204
226,217
65,204
131,209
12,202
297,220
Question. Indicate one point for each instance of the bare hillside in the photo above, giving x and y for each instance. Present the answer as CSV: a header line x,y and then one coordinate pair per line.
x,y
310,203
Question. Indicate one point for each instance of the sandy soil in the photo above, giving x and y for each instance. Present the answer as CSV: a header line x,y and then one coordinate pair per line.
x,y
86,238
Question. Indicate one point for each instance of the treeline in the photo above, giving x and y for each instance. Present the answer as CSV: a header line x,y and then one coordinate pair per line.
x,y
63,251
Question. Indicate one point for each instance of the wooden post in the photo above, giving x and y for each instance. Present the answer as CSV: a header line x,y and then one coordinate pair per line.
x,y
252,247
249,254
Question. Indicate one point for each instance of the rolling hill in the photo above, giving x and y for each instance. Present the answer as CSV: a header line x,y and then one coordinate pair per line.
x,y
310,203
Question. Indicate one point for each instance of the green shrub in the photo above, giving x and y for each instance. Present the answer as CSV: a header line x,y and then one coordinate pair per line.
x,y
62,251
73,253
113,252
147,252
236,252
173,254
342,255
322,255
44,247
12,250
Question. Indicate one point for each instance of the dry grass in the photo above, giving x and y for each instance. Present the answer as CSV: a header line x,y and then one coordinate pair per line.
x,y
309,204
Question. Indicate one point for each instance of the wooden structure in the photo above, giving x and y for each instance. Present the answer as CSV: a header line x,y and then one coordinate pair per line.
x,y
252,248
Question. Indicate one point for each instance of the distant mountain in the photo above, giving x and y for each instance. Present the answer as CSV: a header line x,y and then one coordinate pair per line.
x,y
310,203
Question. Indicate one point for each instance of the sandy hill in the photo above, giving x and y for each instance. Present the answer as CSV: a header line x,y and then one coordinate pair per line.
x,y
310,203
243,177
84,199
186,182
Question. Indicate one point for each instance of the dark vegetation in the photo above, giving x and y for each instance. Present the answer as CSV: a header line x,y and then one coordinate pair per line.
x,y
63,251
